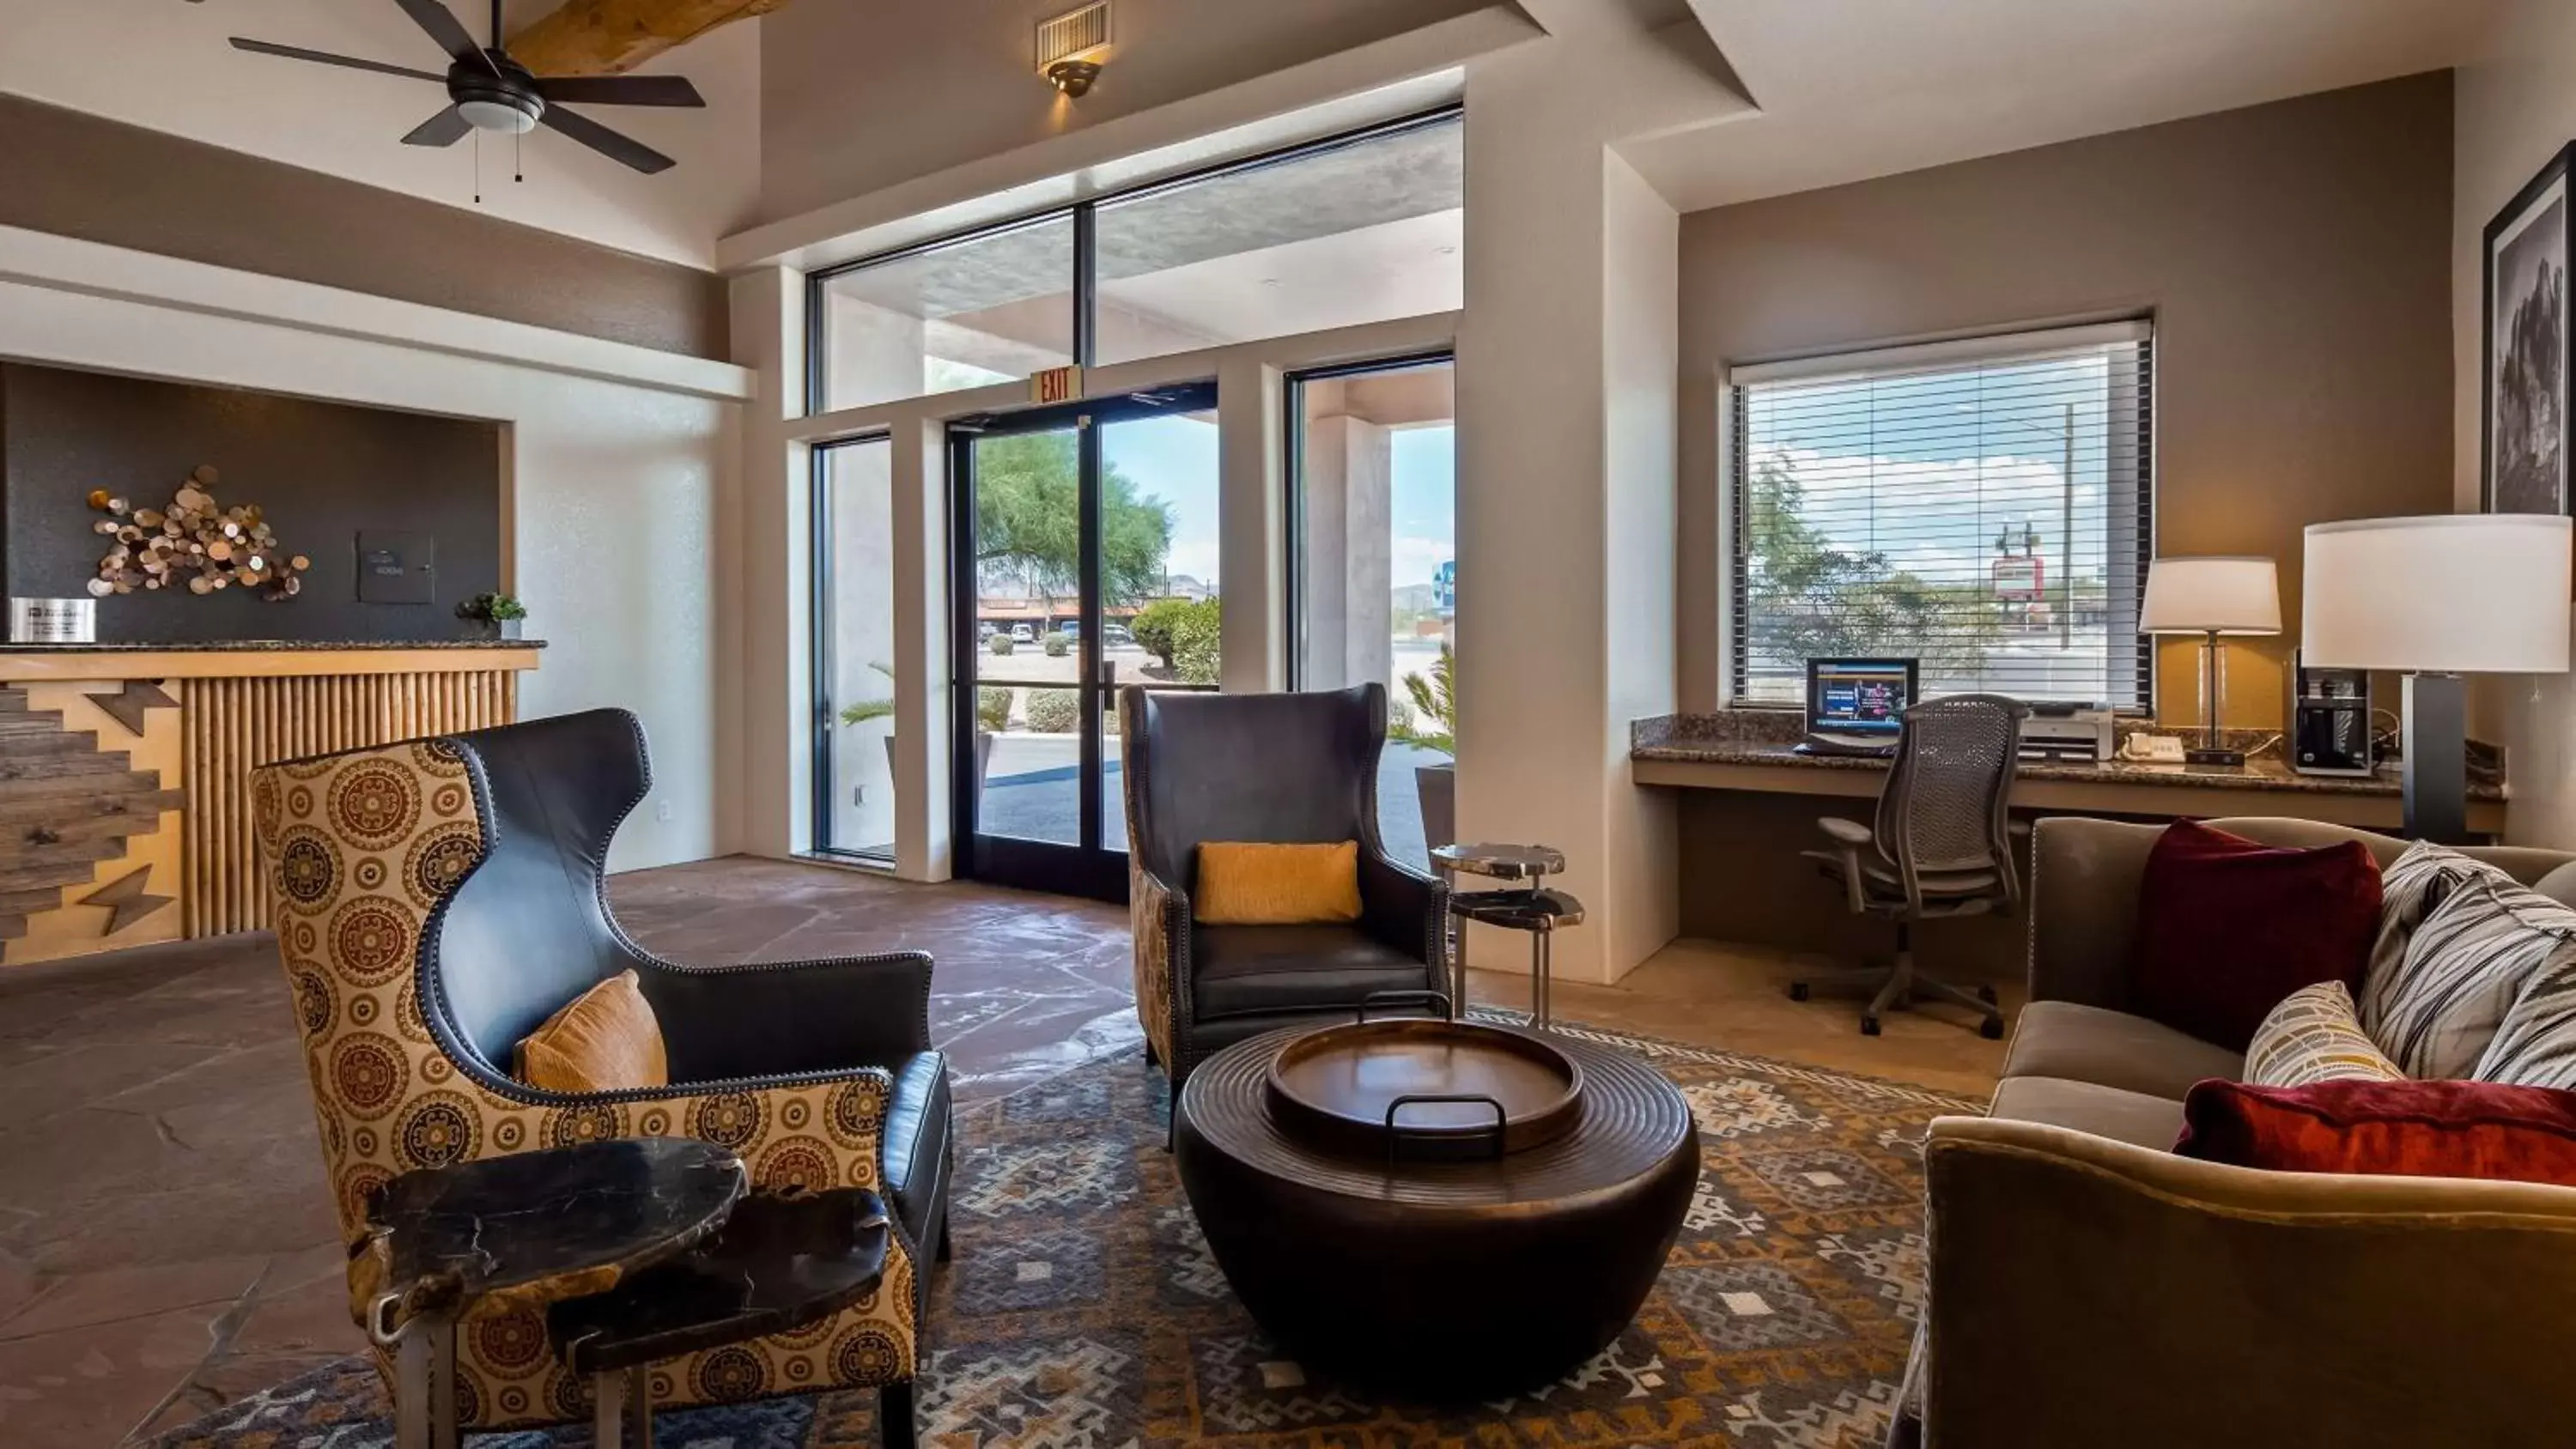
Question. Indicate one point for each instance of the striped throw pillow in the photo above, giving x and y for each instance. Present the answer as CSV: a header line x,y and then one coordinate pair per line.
x,y
2536,1045
2465,967
2409,888
2315,1036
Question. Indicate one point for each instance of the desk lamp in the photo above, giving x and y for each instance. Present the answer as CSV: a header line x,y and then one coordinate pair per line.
x,y
2211,596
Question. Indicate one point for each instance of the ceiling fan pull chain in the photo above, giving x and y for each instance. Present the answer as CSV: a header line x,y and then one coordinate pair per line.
x,y
478,167
518,168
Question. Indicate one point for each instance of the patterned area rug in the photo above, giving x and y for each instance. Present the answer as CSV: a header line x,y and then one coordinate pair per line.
x,y
1084,1312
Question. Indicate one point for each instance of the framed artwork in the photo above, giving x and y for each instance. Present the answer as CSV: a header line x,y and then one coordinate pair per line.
x,y
2527,348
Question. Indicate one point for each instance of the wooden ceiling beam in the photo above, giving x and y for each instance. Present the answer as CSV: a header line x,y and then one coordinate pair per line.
x,y
610,37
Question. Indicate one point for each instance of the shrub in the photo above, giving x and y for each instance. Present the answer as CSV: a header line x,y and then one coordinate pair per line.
x,y
1057,646
998,644
1153,627
993,708
1054,711
1194,643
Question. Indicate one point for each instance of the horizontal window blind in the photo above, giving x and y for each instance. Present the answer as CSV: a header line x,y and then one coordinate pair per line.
x,y
1983,509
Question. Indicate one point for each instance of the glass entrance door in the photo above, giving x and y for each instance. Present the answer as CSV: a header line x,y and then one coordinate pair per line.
x,y
1065,561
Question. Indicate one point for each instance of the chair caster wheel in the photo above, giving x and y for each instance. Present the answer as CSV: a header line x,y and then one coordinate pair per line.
x,y
1986,994
1869,1026
1992,1028
1797,991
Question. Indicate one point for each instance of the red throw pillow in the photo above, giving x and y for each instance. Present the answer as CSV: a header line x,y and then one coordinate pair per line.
x,y
2228,927
2410,1129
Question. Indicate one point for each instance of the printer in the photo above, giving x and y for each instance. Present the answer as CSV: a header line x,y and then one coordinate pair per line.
x,y
2066,731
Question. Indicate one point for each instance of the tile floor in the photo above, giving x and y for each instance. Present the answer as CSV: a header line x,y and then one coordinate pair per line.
x,y
165,1241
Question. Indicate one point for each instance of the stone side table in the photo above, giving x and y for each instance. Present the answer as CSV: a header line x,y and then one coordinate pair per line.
x,y
534,1227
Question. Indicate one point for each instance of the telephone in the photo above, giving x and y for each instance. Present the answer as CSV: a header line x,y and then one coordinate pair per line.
x,y
2146,749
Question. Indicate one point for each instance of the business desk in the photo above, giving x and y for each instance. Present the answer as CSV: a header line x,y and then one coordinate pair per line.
x,y
1747,806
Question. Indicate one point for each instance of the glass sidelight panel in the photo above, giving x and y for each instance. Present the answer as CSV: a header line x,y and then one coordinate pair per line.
x,y
854,780
1375,571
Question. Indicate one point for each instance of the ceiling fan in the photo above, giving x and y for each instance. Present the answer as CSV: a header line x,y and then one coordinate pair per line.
x,y
488,91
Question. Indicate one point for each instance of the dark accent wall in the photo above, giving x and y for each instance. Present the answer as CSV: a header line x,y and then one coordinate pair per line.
x,y
319,471
83,176
2296,258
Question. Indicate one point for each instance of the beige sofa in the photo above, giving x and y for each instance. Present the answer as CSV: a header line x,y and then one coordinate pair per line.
x,y
2089,1287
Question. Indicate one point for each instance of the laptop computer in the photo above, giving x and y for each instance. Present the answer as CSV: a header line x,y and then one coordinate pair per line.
x,y
1857,706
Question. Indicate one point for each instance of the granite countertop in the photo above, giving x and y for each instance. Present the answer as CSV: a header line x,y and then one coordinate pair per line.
x,y
219,646
1764,737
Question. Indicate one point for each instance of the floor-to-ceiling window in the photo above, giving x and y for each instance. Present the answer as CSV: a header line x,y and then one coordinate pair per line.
x,y
854,775
1374,566
1087,550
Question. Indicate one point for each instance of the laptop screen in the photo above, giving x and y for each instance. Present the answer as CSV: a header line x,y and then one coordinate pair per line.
x,y
1861,697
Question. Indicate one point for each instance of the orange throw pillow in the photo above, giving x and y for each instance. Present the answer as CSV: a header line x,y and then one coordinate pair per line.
x,y
1277,885
606,1040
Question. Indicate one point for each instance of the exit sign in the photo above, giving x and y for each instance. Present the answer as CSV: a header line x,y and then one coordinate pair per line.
x,y
1056,384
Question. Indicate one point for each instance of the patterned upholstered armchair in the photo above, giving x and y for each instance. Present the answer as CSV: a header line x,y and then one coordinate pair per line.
x,y
1273,768
436,900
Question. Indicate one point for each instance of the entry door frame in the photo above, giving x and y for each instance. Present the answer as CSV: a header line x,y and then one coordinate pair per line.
x,y
1092,868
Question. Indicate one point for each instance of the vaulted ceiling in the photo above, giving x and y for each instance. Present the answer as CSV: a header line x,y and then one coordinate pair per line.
x,y
1848,89
165,64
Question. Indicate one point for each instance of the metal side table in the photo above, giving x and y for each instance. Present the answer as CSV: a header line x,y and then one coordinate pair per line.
x,y
1532,908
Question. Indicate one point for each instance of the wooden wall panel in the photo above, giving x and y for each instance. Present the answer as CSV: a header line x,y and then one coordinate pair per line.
x,y
234,725
90,846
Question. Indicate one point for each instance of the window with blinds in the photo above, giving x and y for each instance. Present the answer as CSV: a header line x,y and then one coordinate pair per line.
x,y
1982,506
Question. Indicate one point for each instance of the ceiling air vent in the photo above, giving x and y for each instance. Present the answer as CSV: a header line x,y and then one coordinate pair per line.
x,y
1074,35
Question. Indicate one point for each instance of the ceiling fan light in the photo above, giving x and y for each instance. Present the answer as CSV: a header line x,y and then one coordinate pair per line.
x,y
497,115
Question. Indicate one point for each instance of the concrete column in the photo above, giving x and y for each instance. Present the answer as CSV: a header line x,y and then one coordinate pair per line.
x,y
1251,529
763,673
922,721
1567,371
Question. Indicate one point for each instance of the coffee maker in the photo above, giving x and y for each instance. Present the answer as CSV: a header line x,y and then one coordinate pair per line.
x,y
2329,721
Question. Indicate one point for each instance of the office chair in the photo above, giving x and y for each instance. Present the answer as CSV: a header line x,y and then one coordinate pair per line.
x,y
1941,847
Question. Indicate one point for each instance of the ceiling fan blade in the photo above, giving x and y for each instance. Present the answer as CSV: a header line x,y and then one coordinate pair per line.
x,y
295,52
621,90
444,129
443,27
605,141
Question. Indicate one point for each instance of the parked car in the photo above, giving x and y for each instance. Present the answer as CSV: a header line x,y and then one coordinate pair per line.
x,y
1070,628
986,628
1023,634
1116,634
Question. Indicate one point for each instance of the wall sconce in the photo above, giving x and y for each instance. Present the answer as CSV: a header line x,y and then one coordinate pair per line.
x,y
1070,47
1074,77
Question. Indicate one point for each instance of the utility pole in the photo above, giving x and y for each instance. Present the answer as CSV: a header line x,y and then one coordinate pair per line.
x,y
2066,520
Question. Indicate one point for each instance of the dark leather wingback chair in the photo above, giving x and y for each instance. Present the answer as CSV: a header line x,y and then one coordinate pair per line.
x,y
436,900
1273,768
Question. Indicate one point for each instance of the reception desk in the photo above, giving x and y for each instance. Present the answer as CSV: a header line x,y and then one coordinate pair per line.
x,y
124,769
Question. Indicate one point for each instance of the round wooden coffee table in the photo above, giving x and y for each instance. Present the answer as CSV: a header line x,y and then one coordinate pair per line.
x,y
1445,1276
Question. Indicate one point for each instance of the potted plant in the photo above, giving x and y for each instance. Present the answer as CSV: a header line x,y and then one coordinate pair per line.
x,y
987,720
500,615
1432,724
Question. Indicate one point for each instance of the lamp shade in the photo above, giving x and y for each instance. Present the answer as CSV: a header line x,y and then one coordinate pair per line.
x,y
2226,595
2453,593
